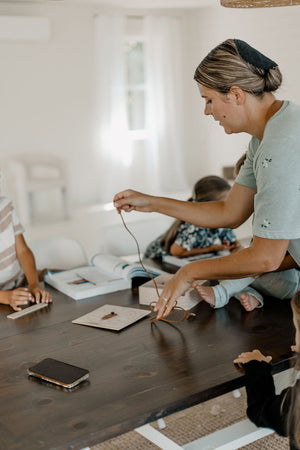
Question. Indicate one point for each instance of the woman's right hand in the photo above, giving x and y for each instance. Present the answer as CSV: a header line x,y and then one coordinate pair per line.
x,y
132,200
17,297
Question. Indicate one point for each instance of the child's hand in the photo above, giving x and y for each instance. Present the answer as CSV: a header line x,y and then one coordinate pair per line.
x,y
218,247
40,295
17,297
233,247
255,355
293,348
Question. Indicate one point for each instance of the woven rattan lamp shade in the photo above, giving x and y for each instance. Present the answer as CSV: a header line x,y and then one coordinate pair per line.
x,y
258,3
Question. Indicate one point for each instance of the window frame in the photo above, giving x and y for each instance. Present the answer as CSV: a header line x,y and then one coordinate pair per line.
x,y
138,134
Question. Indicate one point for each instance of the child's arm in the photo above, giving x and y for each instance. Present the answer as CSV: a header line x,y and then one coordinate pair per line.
x,y
26,259
230,214
264,407
181,252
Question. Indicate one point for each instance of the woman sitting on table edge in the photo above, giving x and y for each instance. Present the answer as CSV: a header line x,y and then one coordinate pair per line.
x,y
237,83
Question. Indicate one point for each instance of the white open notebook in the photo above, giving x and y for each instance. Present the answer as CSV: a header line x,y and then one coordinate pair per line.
x,y
107,273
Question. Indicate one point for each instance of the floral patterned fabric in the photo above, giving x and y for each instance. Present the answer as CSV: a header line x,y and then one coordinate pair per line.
x,y
190,236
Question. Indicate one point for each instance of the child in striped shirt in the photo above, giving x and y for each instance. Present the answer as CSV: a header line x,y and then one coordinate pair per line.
x,y
17,262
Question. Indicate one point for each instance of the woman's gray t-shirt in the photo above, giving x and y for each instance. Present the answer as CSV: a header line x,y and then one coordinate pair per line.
x,y
272,167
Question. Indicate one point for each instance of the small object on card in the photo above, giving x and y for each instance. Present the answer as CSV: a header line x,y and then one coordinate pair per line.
x,y
109,316
123,316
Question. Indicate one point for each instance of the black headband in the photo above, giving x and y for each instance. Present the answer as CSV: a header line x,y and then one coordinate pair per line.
x,y
253,56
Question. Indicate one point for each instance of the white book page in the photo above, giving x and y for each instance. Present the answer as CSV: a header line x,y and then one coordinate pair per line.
x,y
112,264
120,267
91,276
95,275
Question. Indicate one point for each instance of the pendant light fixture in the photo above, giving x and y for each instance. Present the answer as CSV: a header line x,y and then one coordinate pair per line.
x,y
258,3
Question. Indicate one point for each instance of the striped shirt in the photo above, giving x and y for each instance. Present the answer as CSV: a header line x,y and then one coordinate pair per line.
x,y
10,226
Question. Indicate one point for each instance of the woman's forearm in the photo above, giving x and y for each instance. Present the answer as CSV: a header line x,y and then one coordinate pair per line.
x,y
264,255
206,214
226,214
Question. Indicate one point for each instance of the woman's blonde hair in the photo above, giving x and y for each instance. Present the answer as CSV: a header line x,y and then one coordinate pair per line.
x,y
224,67
293,419
207,189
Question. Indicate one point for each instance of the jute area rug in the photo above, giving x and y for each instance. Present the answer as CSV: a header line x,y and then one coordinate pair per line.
x,y
195,422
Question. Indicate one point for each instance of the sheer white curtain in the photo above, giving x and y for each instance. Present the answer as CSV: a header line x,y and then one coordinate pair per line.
x,y
113,144
156,164
165,101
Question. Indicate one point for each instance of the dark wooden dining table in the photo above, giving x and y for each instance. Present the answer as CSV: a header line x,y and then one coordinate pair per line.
x,y
137,375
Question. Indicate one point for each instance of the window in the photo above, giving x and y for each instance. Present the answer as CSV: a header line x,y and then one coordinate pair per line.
x,y
135,85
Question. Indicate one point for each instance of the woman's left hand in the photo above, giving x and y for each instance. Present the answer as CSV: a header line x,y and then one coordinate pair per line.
x,y
255,355
174,288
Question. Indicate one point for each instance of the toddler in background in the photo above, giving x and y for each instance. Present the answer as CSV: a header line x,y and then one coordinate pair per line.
x,y
183,239
17,263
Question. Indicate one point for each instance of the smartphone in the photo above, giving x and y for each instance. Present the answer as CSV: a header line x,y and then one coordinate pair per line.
x,y
58,372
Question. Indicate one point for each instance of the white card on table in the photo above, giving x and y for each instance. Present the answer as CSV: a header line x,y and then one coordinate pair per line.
x,y
112,317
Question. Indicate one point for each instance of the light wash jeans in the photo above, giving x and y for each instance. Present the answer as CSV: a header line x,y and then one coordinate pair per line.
x,y
280,284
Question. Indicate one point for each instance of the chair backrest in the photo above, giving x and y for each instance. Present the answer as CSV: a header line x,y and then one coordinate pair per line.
x,y
28,174
58,253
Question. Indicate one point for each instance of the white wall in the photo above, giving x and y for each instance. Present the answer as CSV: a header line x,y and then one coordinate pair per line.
x,y
46,94
47,97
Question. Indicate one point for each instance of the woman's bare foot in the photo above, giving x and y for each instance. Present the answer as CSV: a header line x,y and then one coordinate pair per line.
x,y
206,292
249,302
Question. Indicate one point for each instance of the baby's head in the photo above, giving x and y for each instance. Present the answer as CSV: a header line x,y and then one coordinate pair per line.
x,y
210,188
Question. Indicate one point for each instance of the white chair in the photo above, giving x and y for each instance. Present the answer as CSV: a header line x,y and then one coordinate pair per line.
x,y
119,242
58,253
23,176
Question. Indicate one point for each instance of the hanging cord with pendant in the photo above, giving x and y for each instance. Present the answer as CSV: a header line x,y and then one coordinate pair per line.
x,y
186,314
